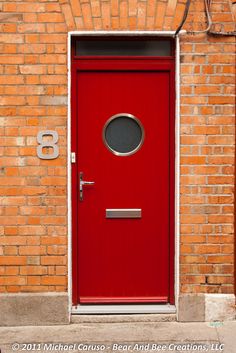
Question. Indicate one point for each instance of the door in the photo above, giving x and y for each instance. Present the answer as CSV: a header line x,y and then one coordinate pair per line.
x,y
122,219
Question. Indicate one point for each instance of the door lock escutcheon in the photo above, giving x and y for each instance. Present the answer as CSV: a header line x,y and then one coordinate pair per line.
x,y
81,184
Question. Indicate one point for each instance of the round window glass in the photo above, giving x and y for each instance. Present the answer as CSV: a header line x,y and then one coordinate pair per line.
x,y
123,134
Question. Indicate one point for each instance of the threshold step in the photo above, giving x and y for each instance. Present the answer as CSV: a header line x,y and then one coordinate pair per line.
x,y
76,318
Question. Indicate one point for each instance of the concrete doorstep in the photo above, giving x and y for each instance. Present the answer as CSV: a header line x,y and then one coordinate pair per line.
x,y
122,337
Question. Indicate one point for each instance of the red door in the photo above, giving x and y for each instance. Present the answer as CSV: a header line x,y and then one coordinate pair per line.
x,y
122,224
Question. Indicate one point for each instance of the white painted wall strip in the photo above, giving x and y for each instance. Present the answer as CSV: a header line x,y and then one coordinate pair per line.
x,y
69,204
125,33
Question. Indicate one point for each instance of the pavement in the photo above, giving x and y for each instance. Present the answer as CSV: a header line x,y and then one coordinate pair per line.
x,y
121,337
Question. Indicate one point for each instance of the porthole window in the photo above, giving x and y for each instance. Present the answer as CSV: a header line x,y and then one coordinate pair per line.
x,y
123,134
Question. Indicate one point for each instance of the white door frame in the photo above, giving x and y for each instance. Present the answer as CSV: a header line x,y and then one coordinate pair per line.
x,y
126,309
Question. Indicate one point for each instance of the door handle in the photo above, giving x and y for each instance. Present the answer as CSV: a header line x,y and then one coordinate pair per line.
x,y
81,184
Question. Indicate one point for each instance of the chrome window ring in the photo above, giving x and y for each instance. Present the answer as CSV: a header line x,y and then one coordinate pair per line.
x,y
137,145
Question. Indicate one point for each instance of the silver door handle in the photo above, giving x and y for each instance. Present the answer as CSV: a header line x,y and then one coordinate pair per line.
x,y
87,182
81,184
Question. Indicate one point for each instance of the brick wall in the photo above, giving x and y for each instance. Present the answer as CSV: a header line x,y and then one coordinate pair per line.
x,y
34,94
207,164
207,153
33,78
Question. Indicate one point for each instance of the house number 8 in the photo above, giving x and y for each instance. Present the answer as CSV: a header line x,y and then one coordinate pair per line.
x,y
44,144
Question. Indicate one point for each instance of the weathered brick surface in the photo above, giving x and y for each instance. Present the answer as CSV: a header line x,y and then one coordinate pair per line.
x,y
207,164
33,86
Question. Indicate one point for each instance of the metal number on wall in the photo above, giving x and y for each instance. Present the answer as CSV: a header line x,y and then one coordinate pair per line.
x,y
46,144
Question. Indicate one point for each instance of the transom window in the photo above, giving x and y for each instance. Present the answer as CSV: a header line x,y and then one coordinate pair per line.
x,y
118,47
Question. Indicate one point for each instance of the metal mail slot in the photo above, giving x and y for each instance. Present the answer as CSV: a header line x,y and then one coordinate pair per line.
x,y
123,213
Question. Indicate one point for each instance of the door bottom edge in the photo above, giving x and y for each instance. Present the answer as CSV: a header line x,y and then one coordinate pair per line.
x,y
123,300
124,309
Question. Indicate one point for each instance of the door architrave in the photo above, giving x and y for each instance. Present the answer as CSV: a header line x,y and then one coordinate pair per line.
x,y
175,164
